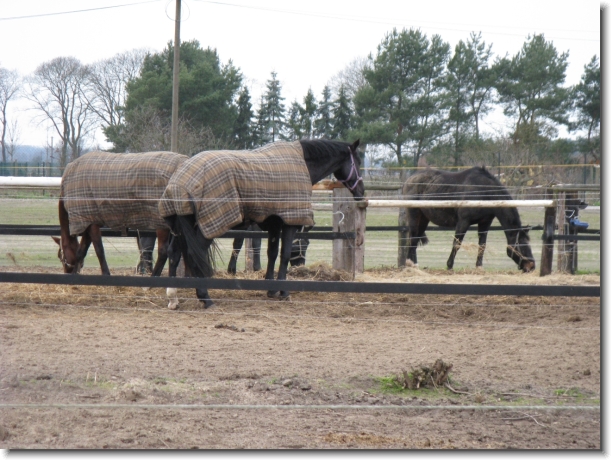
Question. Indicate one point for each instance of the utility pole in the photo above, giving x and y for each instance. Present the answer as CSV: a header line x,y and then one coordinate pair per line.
x,y
175,79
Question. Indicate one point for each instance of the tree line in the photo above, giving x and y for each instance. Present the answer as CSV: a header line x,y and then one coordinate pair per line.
x,y
415,98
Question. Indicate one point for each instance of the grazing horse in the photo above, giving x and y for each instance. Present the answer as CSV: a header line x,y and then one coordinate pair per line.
x,y
215,191
119,191
473,184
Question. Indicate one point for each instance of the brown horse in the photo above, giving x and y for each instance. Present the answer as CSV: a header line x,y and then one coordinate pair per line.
x,y
119,191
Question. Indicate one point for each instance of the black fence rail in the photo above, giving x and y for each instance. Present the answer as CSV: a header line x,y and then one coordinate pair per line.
x,y
302,285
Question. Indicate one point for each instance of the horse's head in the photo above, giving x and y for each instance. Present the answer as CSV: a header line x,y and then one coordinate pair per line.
x,y
348,173
520,250
67,254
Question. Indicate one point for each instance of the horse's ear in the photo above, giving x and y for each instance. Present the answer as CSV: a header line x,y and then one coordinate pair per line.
x,y
355,146
56,240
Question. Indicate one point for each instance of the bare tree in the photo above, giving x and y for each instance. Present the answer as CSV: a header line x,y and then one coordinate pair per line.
x,y
107,80
57,90
13,133
9,86
148,130
352,77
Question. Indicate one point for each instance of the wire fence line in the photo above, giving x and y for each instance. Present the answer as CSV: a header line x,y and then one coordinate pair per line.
x,y
373,407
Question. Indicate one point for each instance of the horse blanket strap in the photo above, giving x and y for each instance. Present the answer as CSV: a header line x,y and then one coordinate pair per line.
x,y
225,188
117,190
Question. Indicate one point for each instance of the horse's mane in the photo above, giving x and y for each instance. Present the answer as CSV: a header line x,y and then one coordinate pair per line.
x,y
323,148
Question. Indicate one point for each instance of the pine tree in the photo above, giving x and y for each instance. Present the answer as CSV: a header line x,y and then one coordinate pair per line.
x,y
294,122
243,127
341,110
309,115
261,134
323,122
274,108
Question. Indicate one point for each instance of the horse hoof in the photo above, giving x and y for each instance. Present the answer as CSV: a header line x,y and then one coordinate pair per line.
x,y
285,297
207,303
273,294
173,305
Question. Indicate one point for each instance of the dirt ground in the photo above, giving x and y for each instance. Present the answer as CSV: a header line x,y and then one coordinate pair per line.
x,y
118,365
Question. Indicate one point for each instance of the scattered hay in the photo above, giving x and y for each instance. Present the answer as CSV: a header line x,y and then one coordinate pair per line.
x,y
320,271
424,376
229,327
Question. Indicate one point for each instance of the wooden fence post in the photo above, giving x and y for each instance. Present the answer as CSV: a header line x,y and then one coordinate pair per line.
x,y
548,243
348,255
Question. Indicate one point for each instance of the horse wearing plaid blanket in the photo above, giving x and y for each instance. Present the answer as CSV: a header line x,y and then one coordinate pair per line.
x,y
119,191
216,191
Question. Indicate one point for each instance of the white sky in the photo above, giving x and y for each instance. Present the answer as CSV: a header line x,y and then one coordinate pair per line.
x,y
306,43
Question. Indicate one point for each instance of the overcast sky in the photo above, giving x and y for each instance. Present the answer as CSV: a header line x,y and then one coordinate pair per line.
x,y
306,43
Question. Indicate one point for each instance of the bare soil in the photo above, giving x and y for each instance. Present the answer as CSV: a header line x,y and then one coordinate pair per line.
x,y
82,347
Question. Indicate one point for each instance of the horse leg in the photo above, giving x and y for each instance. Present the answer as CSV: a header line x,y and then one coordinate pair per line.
x,y
174,257
288,235
96,240
81,251
460,231
417,224
237,246
163,240
274,233
483,229
195,249
146,243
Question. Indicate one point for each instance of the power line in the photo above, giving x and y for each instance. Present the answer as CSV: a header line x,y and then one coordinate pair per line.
x,y
373,20
76,11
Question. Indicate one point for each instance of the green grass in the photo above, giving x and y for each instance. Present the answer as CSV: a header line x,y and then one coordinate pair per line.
x,y
381,247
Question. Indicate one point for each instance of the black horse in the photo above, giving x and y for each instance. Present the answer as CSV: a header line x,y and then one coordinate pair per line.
x,y
322,158
473,184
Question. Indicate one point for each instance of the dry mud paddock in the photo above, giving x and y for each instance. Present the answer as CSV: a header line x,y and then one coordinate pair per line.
x,y
118,365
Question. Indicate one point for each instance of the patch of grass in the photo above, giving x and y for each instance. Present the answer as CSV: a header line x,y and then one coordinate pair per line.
x,y
572,392
390,385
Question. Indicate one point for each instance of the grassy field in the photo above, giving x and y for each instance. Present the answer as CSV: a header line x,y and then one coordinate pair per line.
x,y
381,247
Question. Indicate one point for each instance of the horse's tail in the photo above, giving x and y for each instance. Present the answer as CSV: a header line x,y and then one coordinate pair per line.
x,y
200,251
423,240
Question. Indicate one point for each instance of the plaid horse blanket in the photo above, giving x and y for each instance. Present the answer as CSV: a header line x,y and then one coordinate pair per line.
x,y
117,190
225,188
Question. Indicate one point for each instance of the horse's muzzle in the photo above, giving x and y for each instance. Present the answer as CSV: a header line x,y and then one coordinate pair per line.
x,y
528,266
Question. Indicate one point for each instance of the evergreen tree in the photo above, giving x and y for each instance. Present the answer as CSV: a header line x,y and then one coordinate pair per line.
x,y
341,110
469,83
207,89
587,101
274,108
309,114
530,87
403,104
323,122
294,122
243,127
261,135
